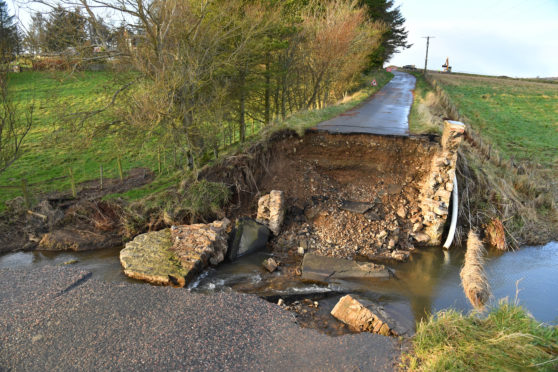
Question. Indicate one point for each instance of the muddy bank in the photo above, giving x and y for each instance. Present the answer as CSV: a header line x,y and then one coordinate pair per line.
x,y
347,196
61,222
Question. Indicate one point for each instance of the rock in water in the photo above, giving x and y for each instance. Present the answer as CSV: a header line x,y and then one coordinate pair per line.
x,y
175,256
206,244
323,269
271,211
365,316
149,257
248,237
270,265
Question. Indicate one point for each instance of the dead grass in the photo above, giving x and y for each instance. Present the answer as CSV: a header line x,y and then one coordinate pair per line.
x,y
473,279
496,235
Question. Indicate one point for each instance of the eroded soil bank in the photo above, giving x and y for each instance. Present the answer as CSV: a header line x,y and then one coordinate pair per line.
x,y
347,195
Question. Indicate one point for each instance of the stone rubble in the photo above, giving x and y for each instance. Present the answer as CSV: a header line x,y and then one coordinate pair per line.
x,y
437,188
271,211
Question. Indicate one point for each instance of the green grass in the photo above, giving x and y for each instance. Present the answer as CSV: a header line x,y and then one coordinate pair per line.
x,y
520,117
421,119
52,147
507,339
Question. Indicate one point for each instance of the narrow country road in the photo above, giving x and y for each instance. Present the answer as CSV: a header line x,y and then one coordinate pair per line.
x,y
386,113
60,319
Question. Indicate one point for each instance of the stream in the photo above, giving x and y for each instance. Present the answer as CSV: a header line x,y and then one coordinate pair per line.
x,y
428,282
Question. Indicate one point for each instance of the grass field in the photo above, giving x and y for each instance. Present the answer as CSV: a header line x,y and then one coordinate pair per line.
x,y
518,116
52,147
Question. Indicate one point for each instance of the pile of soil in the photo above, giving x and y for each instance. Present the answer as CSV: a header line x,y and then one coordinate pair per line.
x,y
349,196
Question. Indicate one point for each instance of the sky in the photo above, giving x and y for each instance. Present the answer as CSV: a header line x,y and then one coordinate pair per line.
x,y
516,38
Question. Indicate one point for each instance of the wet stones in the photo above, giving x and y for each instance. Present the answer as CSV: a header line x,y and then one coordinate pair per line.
x,y
270,264
271,211
149,257
248,236
365,316
325,269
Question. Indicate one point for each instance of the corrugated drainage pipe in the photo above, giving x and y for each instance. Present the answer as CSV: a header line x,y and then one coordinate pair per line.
x,y
454,214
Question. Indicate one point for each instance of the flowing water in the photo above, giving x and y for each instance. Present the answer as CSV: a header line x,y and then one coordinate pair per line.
x,y
427,283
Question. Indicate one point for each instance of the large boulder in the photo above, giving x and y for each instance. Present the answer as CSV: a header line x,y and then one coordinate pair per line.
x,y
271,211
324,269
365,316
248,236
175,256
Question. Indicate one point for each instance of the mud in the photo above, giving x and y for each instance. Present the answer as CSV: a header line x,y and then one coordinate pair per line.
x,y
321,174
62,222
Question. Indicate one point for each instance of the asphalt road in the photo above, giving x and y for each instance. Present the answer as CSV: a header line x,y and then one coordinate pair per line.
x,y
386,113
59,318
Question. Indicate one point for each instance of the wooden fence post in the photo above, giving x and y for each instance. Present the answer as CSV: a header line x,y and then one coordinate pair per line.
x,y
25,193
72,182
101,174
120,173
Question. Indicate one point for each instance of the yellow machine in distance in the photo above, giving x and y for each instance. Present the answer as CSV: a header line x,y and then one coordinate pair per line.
x,y
446,66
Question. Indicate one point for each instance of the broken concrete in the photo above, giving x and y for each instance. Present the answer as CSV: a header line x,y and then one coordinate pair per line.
x,y
271,211
149,258
365,316
324,269
175,256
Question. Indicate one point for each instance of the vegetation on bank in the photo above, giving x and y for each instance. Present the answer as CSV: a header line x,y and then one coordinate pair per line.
x,y
518,116
495,183
506,339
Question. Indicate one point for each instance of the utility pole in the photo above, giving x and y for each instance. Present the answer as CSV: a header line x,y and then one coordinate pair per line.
x,y
427,45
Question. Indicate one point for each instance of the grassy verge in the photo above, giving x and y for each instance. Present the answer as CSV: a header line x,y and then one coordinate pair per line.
x,y
500,177
52,148
507,339
425,117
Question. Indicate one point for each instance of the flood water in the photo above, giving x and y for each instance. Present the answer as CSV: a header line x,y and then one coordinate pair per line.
x,y
427,283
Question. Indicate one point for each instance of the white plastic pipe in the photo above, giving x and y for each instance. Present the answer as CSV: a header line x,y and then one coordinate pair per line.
x,y
454,214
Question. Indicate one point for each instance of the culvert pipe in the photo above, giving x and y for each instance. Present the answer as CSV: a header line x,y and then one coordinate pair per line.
x,y
454,213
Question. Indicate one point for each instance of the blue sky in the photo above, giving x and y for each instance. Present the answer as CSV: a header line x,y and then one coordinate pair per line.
x,y
495,37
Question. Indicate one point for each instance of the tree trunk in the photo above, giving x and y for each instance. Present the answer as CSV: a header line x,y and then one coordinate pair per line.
x,y
242,108
267,115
